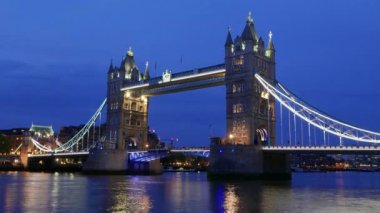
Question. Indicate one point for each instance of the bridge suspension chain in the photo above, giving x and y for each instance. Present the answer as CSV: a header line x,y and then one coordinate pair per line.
x,y
74,142
316,118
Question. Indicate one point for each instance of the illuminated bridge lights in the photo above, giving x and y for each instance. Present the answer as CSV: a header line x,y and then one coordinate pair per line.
x,y
315,118
213,72
68,146
215,75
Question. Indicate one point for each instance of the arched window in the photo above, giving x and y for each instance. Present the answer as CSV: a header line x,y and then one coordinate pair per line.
x,y
134,106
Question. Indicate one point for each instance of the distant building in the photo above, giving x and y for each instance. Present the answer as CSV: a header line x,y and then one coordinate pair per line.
x,y
44,135
16,136
41,131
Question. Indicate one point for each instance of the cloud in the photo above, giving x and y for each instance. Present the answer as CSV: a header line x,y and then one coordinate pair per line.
x,y
20,70
8,66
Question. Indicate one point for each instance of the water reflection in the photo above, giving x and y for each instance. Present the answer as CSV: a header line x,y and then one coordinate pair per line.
x,y
187,192
231,200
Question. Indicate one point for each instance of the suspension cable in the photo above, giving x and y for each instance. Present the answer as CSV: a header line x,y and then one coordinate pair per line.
x,y
290,133
281,126
318,120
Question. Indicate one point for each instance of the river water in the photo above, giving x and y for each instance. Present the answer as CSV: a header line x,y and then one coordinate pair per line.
x,y
188,192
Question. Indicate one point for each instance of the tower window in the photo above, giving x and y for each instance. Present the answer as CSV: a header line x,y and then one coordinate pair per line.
x,y
134,106
237,108
238,87
239,60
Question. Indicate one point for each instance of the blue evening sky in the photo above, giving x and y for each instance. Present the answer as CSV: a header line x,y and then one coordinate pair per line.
x,y
54,57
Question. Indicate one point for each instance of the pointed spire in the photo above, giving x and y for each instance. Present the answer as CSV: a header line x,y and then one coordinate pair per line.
x,y
111,64
146,73
130,53
270,51
249,32
270,42
229,38
249,18
110,69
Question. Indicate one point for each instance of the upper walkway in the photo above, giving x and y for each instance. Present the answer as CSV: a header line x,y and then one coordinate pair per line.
x,y
188,80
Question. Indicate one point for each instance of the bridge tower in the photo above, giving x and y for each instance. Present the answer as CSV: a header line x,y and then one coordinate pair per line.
x,y
127,112
250,110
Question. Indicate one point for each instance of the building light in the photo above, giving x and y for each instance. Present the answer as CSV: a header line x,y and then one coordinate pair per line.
x,y
127,94
231,136
265,95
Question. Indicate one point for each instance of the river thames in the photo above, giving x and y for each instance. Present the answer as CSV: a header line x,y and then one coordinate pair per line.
x,y
188,192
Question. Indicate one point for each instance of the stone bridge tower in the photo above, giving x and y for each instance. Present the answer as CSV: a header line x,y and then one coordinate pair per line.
x,y
127,112
250,110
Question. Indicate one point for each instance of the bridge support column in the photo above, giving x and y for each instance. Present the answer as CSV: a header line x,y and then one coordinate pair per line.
x,y
105,161
230,161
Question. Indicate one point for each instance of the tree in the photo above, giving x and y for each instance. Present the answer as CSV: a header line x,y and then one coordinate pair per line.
x,y
5,145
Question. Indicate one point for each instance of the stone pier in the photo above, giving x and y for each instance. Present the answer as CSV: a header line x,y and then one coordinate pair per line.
x,y
106,161
230,161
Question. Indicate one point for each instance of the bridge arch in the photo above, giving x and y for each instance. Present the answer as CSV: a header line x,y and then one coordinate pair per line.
x,y
261,136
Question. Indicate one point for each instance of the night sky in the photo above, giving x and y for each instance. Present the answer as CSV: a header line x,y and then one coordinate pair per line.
x,y
54,57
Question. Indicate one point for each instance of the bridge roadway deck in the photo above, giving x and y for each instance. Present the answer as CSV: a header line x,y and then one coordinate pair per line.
x,y
72,154
267,149
63,154
323,149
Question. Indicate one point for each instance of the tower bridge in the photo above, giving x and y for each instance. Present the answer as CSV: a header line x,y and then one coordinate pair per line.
x,y
255,102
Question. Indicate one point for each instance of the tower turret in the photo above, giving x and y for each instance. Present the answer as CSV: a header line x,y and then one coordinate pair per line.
x,y
270,51
146,73
129,66
249,33
111,68
229,41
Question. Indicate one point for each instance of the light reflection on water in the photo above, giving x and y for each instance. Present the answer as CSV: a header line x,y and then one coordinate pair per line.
x,y
231,200
187,192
